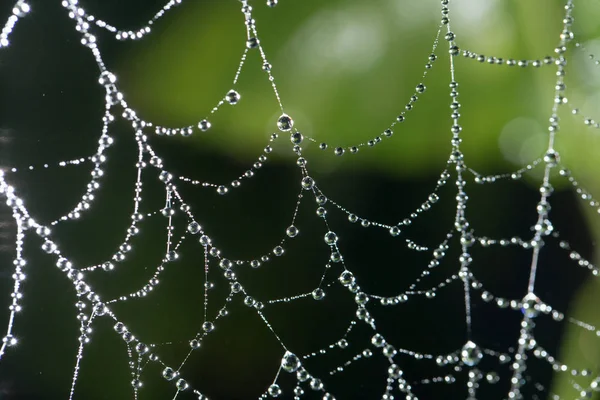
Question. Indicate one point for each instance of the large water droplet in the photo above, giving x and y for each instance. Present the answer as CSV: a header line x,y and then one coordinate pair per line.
x,y
232,97
204,125
182,384
169,373
290,362
471,354
194,227
285,123
331,238
274,390
531,305
291,231
308,183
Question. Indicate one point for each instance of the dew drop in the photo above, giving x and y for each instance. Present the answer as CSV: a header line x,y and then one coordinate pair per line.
x,y
308,183
182,384
318,294
232,97
346,278
10,340
204,125
169,373
331,238
296,138
285,123
208,326
531,305
252,43
394,231
290,362
274,390
194,227
292,231
471,354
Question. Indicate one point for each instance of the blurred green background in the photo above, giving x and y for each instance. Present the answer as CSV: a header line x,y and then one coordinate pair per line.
x,y
344,70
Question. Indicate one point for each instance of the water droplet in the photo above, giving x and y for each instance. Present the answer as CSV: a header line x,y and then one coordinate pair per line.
x,y
208,326
141,348
361,298
274,390
318,294
531,305
205,240
551,158
316,384
471,354
296,138
204,125
49,247
168,212
545,227
252,43
331,238
107,78
172,256
182,384
292,231
236,287
10,340
164,176
278,251
169,373
321,199
290,362
194,227
394,371
302,375
389,351
308,183
285,123
232,97
492,377
346,278
128,337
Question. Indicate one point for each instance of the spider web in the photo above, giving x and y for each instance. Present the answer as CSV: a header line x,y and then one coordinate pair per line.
x,y
366,354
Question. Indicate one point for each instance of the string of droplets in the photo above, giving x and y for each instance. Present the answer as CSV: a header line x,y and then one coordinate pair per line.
x,y
122,34
387,133
20,10
468,356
